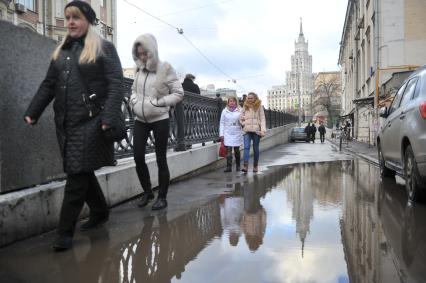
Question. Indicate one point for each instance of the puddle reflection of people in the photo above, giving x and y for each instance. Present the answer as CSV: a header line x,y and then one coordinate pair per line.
x,y
254,218
151,262
77,266
231,211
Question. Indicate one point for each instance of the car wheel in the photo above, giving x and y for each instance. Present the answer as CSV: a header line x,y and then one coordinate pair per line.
x,y
411,174
384,171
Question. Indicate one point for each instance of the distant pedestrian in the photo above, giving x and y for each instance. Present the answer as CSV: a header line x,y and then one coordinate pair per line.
x,y
348,130
308,132
83,62
231,133
322,131
155,88
254,127
313,132
189,85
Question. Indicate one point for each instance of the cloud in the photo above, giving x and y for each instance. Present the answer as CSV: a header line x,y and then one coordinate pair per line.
x,y
251,41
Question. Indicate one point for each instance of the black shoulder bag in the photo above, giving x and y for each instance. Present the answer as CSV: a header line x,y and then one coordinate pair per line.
x,y
116,132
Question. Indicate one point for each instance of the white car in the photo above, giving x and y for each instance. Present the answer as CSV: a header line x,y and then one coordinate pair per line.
x,y
401,142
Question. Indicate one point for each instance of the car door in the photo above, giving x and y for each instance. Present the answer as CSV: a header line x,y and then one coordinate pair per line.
x,y
387,141
398,123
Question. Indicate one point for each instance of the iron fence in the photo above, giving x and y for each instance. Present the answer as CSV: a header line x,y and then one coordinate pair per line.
x,y
201,117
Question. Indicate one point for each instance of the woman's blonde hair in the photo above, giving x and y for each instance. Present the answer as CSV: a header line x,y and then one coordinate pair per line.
x,y
92,42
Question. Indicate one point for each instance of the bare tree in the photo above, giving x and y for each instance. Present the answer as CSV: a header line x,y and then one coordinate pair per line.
x,y
327,94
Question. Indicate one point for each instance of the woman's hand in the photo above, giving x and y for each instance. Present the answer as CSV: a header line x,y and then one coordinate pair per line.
x,y
261,133
29,120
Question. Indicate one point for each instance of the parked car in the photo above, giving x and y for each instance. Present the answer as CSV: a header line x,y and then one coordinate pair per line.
x,y
401,142
297,134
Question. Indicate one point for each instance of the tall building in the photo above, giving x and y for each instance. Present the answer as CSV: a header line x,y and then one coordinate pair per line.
x,y
47,16
381,41
298,80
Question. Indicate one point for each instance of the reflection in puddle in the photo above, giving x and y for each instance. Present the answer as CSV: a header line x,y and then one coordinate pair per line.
x,y
319,222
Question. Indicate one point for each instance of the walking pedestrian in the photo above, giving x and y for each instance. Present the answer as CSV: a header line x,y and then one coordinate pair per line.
x,y
313,132
188,86
308,132
254,127
322,131
231,133
155,89
83,62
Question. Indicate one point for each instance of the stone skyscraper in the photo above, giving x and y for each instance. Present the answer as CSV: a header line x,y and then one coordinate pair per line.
x,y
299,79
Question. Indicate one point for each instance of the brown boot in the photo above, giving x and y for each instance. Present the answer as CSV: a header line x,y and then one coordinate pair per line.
x,y
255,167
245,167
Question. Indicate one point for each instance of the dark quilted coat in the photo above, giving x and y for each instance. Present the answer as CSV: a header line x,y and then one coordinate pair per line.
x,y
81,141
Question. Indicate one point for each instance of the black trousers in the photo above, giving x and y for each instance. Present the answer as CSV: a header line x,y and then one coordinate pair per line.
x,y
322,137
80,188
141,132
229,155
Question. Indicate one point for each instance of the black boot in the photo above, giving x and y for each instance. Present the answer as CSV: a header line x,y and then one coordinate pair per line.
x,y
62,243
237,159
159,203
146,197
94,222
228,159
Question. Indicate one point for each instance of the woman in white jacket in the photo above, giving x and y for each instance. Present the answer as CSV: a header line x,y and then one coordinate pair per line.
x,y
231,133
155,88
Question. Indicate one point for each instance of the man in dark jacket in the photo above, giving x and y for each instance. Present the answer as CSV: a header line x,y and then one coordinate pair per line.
x,y
188,86
308,132
313,131
322,131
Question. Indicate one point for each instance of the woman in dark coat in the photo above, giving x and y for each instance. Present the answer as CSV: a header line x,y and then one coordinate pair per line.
x,y
85,81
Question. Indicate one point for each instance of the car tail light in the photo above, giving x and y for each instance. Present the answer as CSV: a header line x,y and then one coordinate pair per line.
x,y
423,109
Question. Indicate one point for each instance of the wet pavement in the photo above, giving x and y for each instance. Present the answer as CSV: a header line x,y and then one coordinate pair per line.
x,y
312,214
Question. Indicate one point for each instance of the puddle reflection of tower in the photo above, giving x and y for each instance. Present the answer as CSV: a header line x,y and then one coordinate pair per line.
x,y
301,195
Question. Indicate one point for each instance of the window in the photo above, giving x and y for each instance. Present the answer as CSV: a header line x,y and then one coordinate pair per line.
x,y
397,99
59,7
409,91
29,4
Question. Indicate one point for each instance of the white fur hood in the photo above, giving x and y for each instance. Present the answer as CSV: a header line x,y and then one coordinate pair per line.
x,y
149,43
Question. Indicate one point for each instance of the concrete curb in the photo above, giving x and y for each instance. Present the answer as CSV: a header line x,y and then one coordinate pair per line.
x,y
36,210
370,159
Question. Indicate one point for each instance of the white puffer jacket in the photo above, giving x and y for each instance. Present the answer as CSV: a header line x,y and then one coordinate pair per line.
x,y
230,127
156,86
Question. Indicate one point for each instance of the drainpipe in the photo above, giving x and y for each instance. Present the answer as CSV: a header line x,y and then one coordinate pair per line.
x,y
377,63
44,16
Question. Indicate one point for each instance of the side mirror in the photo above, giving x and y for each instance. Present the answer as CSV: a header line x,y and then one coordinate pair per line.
x,y
383,112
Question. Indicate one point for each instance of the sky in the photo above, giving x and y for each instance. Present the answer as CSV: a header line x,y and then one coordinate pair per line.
x,y
240,44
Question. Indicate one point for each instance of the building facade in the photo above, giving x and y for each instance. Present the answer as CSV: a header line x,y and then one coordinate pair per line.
x,y
47,16
298,80
380,38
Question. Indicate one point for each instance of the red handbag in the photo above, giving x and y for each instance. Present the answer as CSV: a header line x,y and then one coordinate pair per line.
x,y
222,149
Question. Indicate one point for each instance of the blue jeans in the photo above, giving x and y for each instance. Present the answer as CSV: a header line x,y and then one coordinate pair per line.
x,y
248,137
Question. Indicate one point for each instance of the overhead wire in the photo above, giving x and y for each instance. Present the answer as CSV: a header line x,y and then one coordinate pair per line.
x,y
181,32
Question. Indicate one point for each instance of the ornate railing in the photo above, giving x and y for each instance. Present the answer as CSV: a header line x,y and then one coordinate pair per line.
x,y
200,117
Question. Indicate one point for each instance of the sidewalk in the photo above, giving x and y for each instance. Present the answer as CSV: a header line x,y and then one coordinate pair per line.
x,y
361,149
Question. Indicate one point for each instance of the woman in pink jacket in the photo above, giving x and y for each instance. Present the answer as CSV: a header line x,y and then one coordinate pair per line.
x,y
254,127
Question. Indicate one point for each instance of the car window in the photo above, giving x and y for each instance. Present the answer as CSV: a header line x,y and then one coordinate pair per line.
x,y
409,91
418,85
299,130
397,99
